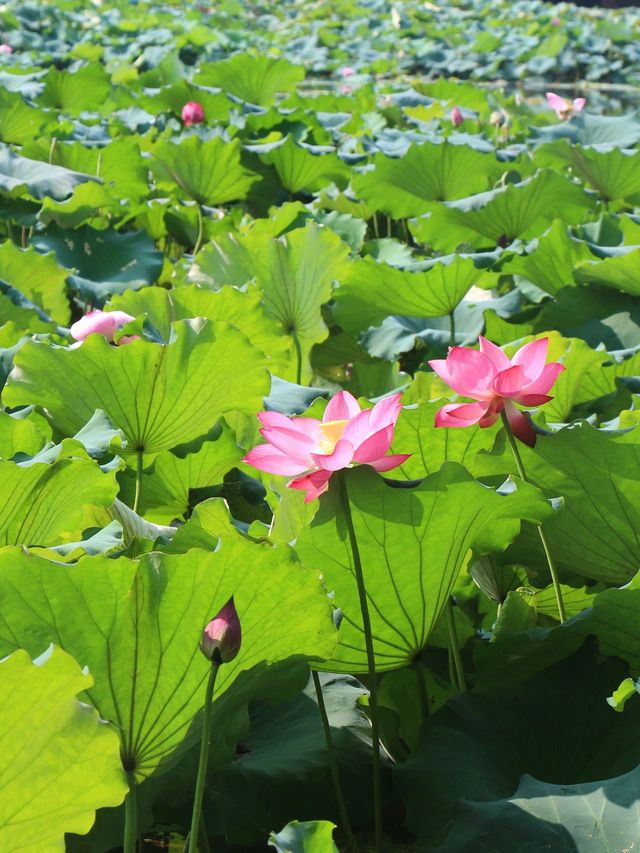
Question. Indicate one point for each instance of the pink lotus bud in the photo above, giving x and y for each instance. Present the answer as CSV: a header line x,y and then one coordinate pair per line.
x,y
104,323
6,48
222,636
456,117
556,22
347,71
192,113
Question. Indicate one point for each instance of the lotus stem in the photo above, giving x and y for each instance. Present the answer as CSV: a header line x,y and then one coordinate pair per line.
x,y
204,758
138,492
298,349
371,663
461,678
130,818
452,327
543,539
200,237
333,764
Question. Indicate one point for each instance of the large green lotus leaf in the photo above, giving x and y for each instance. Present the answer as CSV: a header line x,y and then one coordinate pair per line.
x,y
47,504
254,79
159,395
106,261
216,105
429,172
137,626
72,92
413,543
59,762
618,271
284,770
473,756
585,818
89,202
551,259
19,175
39,277
241,308
20,434
16,309
295,273
614,173
166,484
417,434
597,473
499,216
371,291
311,836
301,171
622,131
19,122
210,172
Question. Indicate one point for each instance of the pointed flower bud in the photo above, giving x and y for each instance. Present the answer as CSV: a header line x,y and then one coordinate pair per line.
x,y
456,117
192,113
222,636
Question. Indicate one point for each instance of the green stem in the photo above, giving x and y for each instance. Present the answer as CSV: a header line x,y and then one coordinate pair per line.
x,y
298,348
333,764
200,238
204,758
452,327
422,689
130,818
52,148
543,538
455,648
138,492
376,227
371,663
203,841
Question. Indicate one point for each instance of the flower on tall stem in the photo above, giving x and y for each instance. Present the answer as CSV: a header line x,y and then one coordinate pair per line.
x,y
105,323
563,108
312,450
496,383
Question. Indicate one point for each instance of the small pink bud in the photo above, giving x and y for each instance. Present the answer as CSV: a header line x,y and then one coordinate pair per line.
x,y
556,22
347,71
6,48
222,636
192,113
456,117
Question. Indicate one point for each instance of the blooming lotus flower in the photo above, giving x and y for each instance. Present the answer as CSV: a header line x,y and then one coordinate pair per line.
x,y
6,48
192,113
496,383
316,449
347,71
221,638
563,108
456,117
102,323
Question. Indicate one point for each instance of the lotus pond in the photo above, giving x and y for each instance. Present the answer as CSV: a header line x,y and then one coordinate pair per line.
x,y
320,427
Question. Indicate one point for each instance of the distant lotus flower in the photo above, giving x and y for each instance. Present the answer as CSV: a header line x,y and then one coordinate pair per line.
x,y
104,323
347,71
556,22
221,638
456,117
192,113
6,48
496,383
316,449
563,108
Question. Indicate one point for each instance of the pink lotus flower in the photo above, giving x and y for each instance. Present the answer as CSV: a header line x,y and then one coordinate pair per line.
x,y
102,323
563,108
192,113
221,638
6,48
556,22
316,449
347,71
488,376
456,117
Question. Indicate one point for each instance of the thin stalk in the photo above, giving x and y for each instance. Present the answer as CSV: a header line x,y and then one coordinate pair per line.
x,y
455,648
333,764
376,227
138,492
130,842
371,663
389,229
200,238
452,327
204,758
543,538
52,148
23,237
422,689
298,349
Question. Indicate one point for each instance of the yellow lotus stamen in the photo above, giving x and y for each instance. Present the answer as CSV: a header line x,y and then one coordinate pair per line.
x,y
331,434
